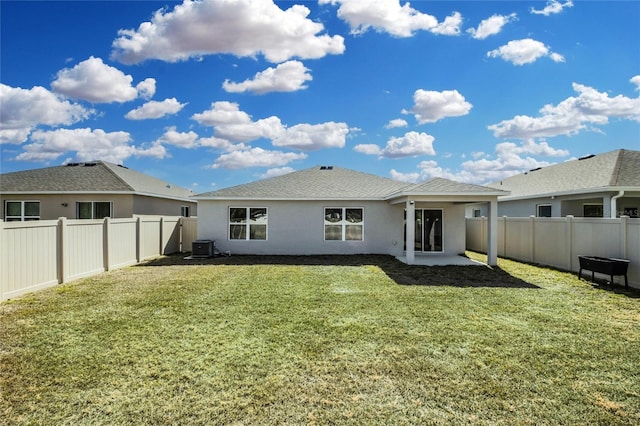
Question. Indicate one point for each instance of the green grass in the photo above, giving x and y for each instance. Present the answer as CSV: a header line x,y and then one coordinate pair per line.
x,y
361,341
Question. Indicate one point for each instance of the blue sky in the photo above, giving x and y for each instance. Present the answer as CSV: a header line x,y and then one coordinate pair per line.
x,y
216,93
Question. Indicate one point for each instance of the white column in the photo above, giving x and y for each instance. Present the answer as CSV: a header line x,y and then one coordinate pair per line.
x,y
411,232
492,234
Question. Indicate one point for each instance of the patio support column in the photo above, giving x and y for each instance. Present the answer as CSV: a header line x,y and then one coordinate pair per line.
x,y
411,232
492,234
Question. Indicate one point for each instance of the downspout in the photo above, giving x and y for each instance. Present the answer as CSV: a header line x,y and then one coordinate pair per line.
x,y
614,204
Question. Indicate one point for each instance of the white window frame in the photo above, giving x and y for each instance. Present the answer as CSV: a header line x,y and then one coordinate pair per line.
x,y
247,223
93,208
544,205
343,222
185,211
22,217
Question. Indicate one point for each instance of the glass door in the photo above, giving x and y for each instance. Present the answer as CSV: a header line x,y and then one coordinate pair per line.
x,y
428,231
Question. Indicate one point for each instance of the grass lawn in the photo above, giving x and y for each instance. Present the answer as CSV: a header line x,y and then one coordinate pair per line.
x,y
334,340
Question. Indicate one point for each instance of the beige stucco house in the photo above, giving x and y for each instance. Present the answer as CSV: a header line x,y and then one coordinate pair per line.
x,y
91,190
332,210
603,185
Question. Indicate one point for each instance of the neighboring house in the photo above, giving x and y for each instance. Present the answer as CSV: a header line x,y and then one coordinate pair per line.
x,y
331,210
91,190
603,185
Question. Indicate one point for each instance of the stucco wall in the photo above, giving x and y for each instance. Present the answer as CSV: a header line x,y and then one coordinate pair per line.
x,y
52,205
297,227
143,205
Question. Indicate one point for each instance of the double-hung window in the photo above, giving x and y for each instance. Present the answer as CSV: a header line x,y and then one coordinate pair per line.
x,y
93,209
21,210
343,224
247,223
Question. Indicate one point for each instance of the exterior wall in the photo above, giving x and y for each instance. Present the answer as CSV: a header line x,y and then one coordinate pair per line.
x,y
52,206
152,206
563,205
297,228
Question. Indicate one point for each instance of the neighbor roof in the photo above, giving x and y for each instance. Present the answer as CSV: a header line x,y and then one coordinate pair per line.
x,y
89,177
336,183
608,171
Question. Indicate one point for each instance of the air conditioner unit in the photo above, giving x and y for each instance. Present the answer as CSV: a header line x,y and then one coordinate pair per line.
x,y
202,248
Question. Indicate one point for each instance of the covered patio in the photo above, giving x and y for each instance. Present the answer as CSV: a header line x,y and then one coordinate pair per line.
x,y
440,260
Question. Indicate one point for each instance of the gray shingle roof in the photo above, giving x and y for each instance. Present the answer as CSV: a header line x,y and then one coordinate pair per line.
x,y
97,176
620,168
337,183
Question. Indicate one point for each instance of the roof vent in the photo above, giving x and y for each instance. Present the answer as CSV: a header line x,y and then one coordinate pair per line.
x,y
124,167
536,169
586,157
89,164
72,164
326,167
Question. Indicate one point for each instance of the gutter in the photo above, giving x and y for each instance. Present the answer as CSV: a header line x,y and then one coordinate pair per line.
x,y
614,204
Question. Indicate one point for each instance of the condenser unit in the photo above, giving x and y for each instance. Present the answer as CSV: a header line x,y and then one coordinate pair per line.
x,y
202,248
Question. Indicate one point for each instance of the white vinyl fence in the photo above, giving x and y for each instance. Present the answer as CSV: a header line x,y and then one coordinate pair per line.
x,y
559,241
39,254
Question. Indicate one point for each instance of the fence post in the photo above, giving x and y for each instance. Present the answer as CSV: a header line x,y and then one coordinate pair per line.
x,y
483,234
105,242
138,239
623,235
62,247
504,236
532,238
569,225
180,222
161,252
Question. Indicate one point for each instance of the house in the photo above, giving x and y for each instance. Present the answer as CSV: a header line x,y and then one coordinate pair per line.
x,y
603,185
332,210
91,190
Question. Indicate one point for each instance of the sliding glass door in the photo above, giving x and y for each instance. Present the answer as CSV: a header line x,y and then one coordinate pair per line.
x,y
428,230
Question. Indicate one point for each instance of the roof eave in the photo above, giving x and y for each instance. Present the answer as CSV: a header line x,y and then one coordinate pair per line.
x,y
571,192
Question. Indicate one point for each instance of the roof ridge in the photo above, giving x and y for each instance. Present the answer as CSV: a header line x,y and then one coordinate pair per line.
x,y
113,172
615,174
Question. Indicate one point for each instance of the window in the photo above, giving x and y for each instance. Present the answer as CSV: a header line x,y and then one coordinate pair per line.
x,y
93,209
630,211
247,223
184,211
477,213
592,210
543,210
343,223
21,210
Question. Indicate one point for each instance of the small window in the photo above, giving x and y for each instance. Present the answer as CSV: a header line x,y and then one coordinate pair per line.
x,y
630,211
477,213
343,224
247,223
592,210
543,210
185,211
21,210
93,209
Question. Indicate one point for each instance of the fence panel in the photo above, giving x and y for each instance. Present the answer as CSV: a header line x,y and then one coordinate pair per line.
x,y
558,242
38,254
189,232
122,243
29,257
83,248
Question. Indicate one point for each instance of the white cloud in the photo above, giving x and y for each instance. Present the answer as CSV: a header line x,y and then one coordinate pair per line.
x,y
222,144
411,144
396,122
244,28
636,80
155,109
430,106
94,81
510,159
256,157
86,143
525,51
24,109
234,125
180,139
389,16
491,26
310,137
278,171
287,77
552,7
570,116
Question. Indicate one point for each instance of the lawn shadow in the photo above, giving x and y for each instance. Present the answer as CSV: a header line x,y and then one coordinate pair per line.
x,y
400,273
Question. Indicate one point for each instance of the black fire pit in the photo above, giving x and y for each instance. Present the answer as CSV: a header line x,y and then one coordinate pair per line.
x,y
604,265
